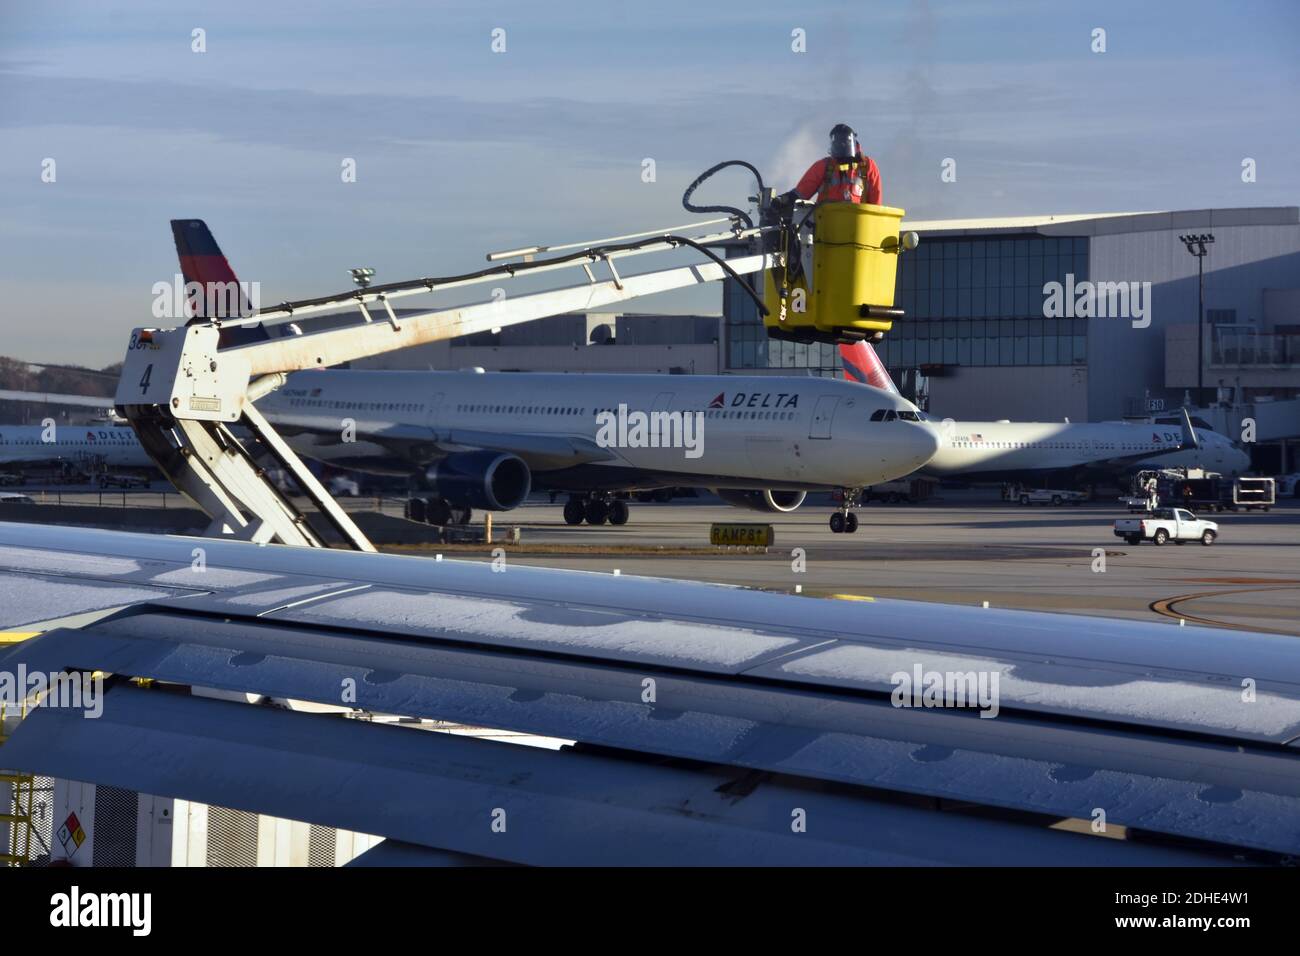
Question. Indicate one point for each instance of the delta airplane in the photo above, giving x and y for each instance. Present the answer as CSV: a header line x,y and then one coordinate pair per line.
x,y
114,445
1018,451
1003,451
484,440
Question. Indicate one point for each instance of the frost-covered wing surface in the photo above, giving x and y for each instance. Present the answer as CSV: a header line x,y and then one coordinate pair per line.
x,y
737,704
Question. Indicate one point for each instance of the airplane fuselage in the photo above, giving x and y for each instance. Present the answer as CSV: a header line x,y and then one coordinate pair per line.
x,y
112,445
580,430
1012,450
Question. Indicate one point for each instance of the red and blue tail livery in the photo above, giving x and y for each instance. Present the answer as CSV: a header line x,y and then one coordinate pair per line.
x,y
863,365
217,292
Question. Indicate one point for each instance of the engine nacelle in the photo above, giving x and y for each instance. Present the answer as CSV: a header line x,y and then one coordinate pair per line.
x,y
768,499
491,480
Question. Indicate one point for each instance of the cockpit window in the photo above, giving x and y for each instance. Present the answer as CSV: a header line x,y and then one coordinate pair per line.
x,y
908,416
878,415
890,415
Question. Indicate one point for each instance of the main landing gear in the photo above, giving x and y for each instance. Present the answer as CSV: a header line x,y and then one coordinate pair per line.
x,y
596,509
845,521
438,511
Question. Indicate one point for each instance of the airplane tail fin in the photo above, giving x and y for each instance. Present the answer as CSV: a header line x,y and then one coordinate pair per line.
x,y
863,365
223,297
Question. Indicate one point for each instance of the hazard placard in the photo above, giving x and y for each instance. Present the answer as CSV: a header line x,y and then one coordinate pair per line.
x,y
71,834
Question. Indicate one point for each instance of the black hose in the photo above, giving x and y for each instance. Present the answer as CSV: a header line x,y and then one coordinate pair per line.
x,y
739,213
726,267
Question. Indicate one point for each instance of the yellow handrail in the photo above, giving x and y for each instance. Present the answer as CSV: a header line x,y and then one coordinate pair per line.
x,y
22,785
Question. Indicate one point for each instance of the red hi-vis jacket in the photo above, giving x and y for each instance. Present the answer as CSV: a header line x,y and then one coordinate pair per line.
x,y
833,181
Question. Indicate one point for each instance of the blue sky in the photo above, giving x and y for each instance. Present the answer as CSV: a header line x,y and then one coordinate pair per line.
x,y
461,150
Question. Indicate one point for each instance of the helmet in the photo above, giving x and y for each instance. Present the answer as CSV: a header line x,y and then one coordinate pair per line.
x,y
844,143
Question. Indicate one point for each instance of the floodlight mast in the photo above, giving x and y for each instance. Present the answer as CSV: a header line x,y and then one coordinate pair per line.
x,y
183,391
1196,246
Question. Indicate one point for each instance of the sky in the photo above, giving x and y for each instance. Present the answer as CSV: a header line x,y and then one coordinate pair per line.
x,y
461,149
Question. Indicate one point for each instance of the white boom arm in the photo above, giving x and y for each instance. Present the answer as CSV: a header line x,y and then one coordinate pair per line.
x,y
181,391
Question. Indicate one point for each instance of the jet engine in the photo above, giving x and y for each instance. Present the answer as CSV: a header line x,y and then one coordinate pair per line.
x,y
491,480
769,499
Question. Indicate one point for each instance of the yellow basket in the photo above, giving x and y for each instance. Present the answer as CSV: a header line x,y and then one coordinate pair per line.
x,y
855,264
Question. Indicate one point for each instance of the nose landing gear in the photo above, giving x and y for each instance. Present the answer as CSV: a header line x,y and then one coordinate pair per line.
x,y
845,521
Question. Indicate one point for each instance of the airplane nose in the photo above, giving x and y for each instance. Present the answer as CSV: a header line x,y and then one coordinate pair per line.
x,y
922,443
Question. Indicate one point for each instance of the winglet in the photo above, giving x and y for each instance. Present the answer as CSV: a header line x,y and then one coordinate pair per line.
x,y
1190,440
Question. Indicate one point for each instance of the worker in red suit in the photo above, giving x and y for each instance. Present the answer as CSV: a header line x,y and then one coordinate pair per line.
x,y
846,175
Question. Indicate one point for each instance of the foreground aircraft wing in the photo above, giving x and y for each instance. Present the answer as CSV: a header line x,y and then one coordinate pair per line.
x,y
707,719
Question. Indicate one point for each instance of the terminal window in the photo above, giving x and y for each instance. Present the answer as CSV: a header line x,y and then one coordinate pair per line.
x,y
968,301
979,301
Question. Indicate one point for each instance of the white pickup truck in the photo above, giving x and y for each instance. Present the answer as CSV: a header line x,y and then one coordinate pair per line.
x,y
1167,524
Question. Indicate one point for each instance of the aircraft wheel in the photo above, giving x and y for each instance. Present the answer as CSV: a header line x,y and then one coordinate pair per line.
x,y
837,523
1161,536
437,511
574,511
619,512
597,511
850,523
415,509
1207,539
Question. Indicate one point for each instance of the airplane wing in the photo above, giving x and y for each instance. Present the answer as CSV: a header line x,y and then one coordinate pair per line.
x,y
540,452
705,719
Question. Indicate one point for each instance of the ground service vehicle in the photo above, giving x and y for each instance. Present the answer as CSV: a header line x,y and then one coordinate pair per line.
x,y
110,480
903,490
1167,524
1051,496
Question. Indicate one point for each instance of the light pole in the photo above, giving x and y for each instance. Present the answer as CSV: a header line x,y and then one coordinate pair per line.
x,y
1196,246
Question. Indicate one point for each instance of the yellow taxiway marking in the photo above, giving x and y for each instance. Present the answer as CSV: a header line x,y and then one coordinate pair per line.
x,y
850,597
